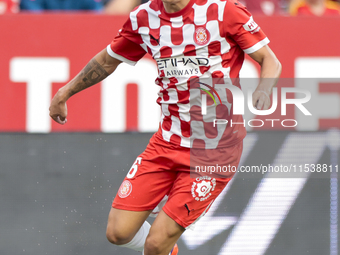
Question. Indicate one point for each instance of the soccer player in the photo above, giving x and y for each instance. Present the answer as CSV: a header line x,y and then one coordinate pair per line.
x,y
196,44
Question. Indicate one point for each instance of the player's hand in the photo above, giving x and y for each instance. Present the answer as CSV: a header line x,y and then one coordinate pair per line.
x,y
58,110
261,100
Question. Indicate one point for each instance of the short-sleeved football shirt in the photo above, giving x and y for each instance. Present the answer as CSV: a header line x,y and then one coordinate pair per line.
x,y
196,49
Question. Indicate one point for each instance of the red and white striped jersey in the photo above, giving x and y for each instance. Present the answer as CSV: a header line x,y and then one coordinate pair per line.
x,y
9,6
196,49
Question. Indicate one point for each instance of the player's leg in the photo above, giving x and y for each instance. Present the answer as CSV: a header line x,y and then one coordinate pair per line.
x,y
163,235
182,210
190,197
144,187
123,226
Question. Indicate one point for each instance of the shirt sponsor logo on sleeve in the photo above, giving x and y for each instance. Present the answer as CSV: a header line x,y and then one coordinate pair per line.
x,y
251,26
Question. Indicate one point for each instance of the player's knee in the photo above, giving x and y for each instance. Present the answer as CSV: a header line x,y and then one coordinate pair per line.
x,y
157,243
152,245
117,237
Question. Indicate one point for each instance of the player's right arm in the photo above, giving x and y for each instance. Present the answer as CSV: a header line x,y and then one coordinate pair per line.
x,y
99,67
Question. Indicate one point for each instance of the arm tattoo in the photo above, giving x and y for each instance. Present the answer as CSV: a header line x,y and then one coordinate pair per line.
x,y
93,73
90,75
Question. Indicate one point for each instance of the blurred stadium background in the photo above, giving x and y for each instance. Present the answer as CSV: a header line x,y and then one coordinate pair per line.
x,y
57,182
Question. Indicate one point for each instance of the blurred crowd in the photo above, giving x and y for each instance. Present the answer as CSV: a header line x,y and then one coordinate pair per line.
x,y
264,7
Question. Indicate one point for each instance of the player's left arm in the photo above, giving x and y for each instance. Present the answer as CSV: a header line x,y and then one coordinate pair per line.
x,y
270,73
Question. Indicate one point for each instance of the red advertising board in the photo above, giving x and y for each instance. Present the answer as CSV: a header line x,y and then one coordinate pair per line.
x,y
40,53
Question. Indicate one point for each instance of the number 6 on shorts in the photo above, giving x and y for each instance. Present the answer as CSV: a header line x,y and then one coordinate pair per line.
x,y
133,170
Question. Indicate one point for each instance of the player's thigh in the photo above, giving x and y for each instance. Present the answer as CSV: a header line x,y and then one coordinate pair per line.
x,y
194,192
191,198
163,235
147,182
122,225
145,185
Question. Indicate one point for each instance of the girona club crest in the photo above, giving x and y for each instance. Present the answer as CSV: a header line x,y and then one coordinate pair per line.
x,y
202,187
125,189
201,36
